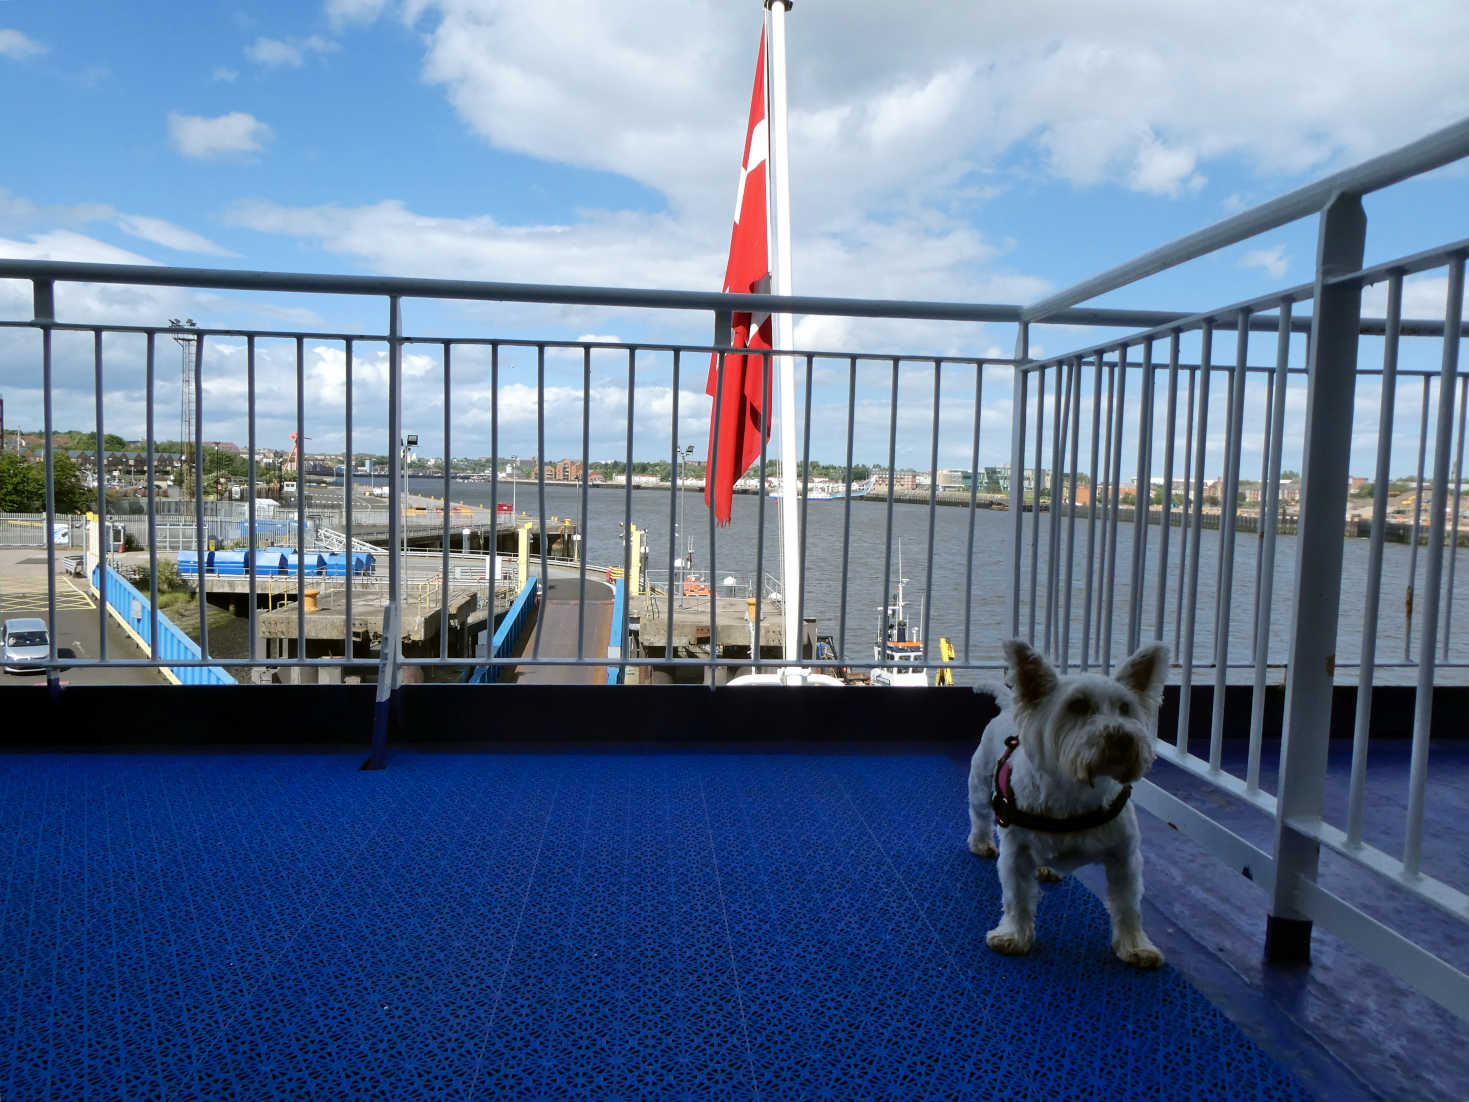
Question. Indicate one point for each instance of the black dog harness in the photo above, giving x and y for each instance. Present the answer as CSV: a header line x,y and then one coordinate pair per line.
x,y
1008,813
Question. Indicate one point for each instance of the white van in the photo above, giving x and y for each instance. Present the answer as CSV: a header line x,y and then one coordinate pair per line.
x,y
22,643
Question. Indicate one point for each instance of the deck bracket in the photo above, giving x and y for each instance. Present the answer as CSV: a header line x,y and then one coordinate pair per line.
x,y
389,684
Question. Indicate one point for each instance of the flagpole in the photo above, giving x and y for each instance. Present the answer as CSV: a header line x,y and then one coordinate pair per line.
x,y
780,216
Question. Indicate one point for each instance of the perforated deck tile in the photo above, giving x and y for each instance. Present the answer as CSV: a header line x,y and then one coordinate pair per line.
x,y
474,926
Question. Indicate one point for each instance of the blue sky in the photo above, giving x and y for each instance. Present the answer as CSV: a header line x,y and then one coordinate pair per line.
x,y
939,151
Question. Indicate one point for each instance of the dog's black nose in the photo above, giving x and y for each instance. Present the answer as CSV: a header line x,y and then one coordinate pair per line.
x,y
1117,742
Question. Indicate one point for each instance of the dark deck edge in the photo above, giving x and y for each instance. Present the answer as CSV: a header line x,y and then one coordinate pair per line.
x,y
497,717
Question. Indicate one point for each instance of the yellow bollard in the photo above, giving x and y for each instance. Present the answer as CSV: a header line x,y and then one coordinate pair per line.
x,y
524,552
635,581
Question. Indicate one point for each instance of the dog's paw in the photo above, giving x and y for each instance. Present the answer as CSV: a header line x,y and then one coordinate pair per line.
x,y
1143,954
1012,943
1047,875
981,846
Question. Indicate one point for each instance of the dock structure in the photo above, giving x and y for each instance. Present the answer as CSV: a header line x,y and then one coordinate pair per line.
x,y
471,528
651,617
426,616
475,533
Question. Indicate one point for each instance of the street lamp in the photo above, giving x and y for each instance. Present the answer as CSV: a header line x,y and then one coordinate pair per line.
x,y
681,456
409,443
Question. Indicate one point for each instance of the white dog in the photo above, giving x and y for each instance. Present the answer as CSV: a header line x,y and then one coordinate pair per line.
x,y
1055,767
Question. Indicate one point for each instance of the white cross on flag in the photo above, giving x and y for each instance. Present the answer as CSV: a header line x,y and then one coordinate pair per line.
x,y
740,419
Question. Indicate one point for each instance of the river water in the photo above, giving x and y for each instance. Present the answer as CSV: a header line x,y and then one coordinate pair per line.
x,y
940,593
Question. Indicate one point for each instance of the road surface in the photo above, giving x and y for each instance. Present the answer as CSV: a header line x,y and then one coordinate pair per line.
x,y
23,592
556,628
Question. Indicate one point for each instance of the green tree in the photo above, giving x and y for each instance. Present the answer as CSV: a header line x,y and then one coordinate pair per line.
x,y
23,485
217,462
87,441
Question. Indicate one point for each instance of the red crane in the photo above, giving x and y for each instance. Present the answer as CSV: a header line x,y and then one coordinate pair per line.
x,y
292,461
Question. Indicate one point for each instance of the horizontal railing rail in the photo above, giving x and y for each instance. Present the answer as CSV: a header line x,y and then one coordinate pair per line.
x,y
1435,150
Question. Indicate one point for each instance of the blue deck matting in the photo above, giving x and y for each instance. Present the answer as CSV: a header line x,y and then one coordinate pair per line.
x,y
663,925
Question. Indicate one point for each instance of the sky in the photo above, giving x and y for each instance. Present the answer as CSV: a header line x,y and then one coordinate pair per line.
x,y
940,150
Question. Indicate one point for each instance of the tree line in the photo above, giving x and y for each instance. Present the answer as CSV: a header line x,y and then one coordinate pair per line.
x,y
23,485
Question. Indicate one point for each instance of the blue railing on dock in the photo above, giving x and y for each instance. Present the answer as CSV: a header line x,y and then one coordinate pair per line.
x,y
135,611
617,634
508,634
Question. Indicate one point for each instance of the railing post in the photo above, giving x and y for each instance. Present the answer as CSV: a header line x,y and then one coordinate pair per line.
x,y
43,294
1017,474
389,669
1330,389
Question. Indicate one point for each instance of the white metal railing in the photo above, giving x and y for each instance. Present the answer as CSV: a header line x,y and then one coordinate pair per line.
x,y
1031,548
337,541
1099,569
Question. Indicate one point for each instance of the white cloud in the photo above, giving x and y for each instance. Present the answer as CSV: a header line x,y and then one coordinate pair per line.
x,y
14,44
225,74
353,11
225,135
1161,170
910,258
390,237
1272,260
275,52
1425,295
68,245
878,103
22,211
168,235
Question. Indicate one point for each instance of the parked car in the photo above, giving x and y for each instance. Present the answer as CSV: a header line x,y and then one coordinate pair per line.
x,y
24,641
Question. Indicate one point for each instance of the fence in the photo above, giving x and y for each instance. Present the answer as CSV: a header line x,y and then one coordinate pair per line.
x,y
1053,559
508,634
618,637
29,530
1088,598
136,614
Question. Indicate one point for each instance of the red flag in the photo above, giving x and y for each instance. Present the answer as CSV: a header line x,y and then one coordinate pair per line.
x,y
743,419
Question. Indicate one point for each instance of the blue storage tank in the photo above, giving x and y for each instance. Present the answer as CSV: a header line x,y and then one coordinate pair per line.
x,y
270,560
315,562
189,562
362,562
232,562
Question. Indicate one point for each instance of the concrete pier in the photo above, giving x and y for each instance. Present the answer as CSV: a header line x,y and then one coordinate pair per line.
x,y
650,617
425,617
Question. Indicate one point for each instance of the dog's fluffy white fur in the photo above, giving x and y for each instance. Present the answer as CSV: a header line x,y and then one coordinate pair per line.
x,y
1081,738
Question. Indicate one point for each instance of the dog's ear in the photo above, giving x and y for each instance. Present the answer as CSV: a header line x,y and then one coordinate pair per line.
x,y
1028,673
1143,673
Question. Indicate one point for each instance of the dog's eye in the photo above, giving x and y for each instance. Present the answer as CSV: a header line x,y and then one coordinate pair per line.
x,y
1124,709
1078,706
